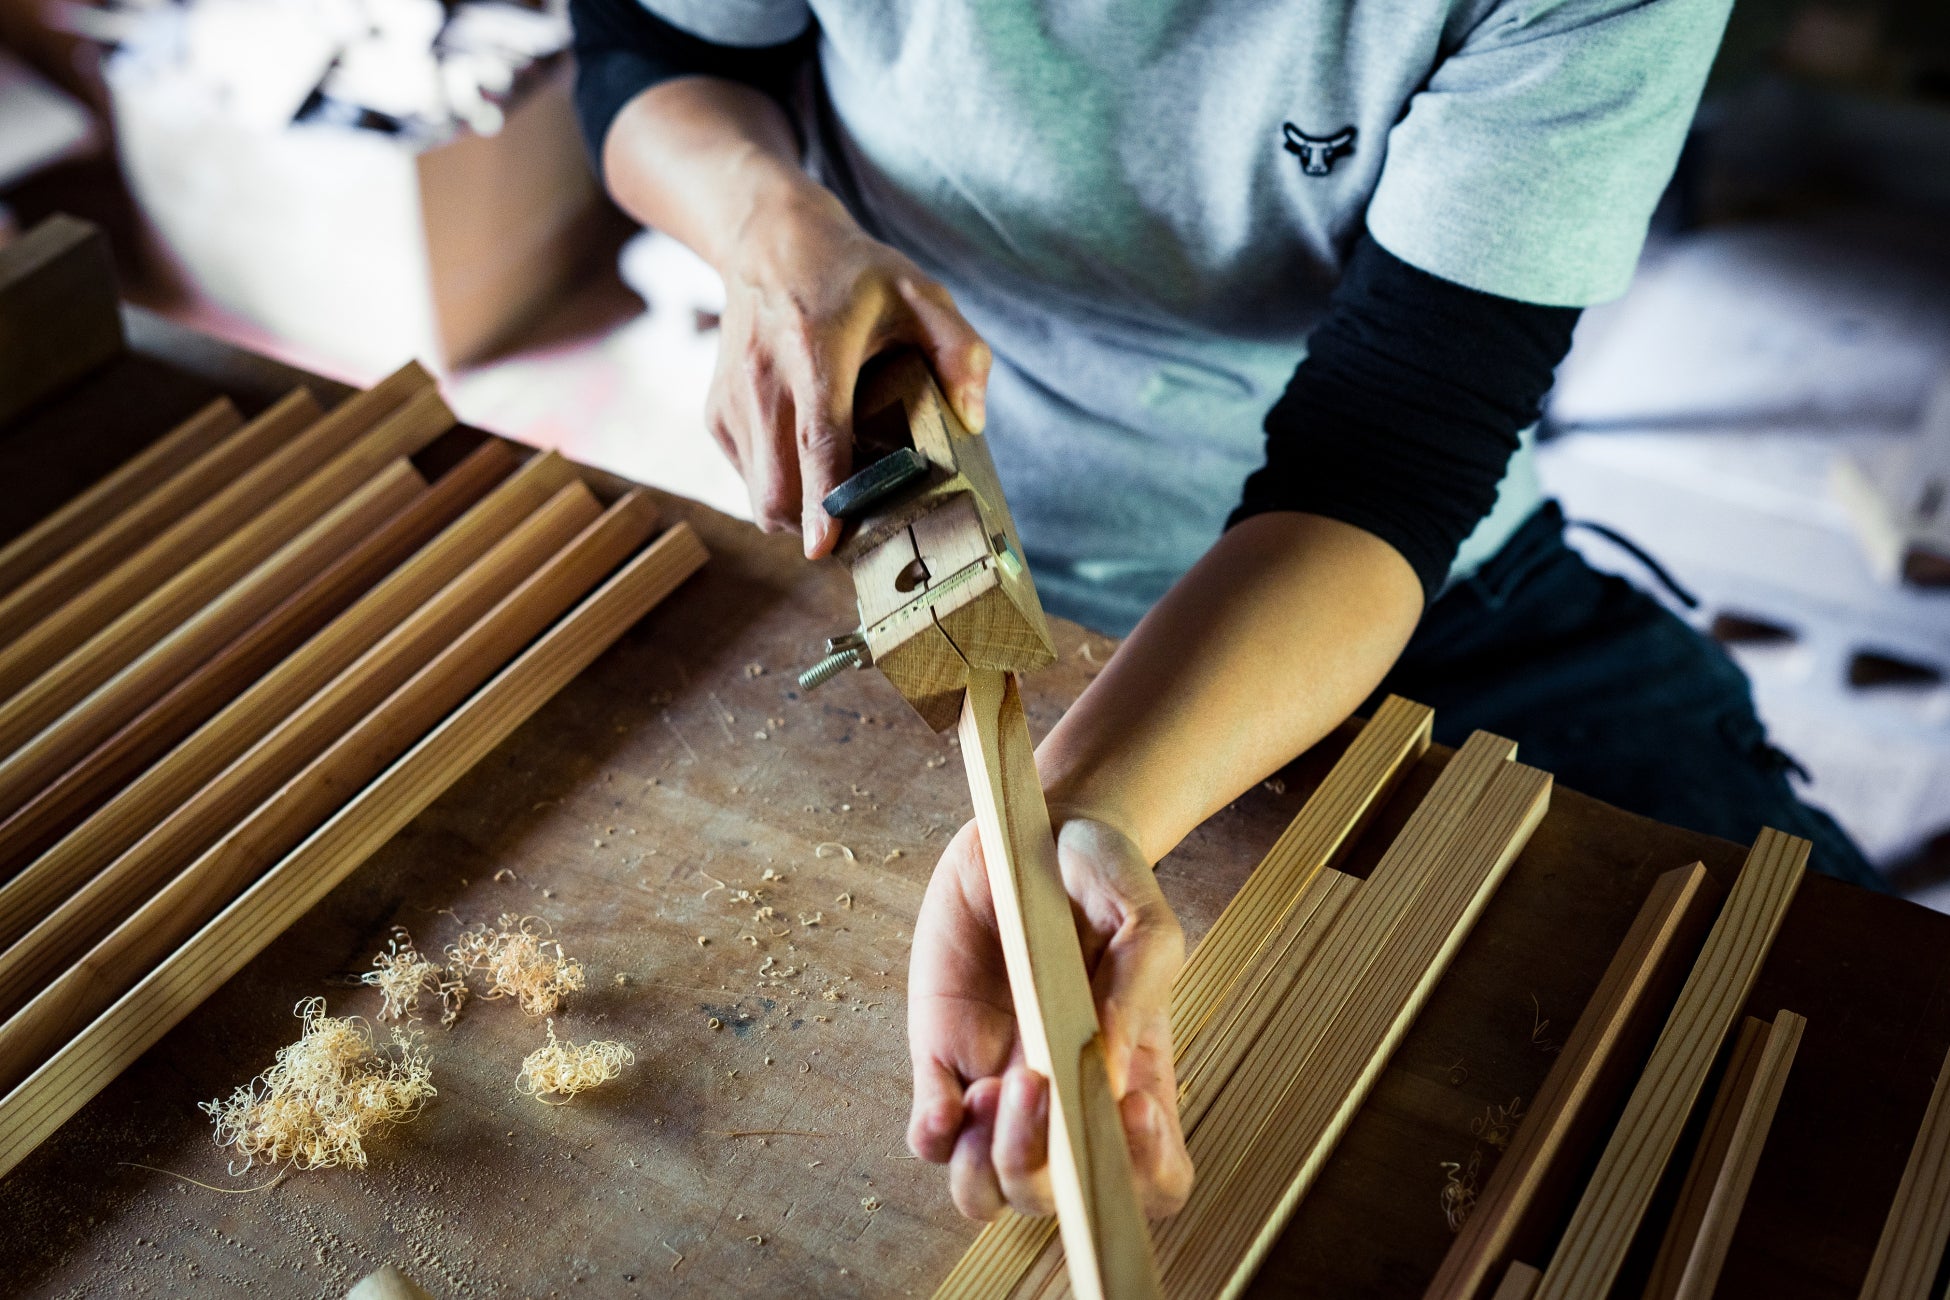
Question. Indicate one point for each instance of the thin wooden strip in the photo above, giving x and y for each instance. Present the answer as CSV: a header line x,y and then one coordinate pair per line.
x,y
101,508
308,447
182,832
1317,1101
349,762
1715,1191
150,675
1532,1180
61,806
1106,1246
60,316
130,815
1614,1201
1519,1282
375,814
1918,1226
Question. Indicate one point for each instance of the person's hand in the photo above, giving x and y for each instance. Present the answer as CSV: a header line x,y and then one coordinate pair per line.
x,y
977,1107
809,299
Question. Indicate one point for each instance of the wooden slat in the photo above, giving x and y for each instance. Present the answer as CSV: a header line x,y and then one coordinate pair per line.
x,y
182,832
1531,1182
1918,1226
100,511
149,676
61,806
1107,1249
129,816
86,1064
1600,1233
1519,1282
60,315
307,446
1701,1228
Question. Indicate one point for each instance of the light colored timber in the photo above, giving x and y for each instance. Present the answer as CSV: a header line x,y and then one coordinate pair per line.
x,y
61,805
113,1041
1913,1236
353,759
132,813
1532,1179
285,751
1292,1129
412,427
1701,1229
1106,1246
1519,1282
147,678
1607,1217
307,446
104,508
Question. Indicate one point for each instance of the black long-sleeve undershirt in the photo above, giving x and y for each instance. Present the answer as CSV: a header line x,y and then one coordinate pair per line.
x,y
1400,421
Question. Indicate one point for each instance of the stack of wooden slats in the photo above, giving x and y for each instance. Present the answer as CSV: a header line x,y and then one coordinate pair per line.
x,y
236,666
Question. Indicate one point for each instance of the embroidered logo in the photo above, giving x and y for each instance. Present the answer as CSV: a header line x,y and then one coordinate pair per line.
x,y
1319,153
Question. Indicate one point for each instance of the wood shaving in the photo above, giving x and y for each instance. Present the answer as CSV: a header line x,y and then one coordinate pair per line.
x,y
833,849
869,1203
845,900
812,920
323,1095
1497,1124
401,974
519,961
563,1069
1459,1189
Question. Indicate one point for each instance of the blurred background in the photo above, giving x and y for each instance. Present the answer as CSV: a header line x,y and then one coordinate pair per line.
x,y
346,183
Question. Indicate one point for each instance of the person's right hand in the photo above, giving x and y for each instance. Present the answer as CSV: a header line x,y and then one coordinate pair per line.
x,y
809,299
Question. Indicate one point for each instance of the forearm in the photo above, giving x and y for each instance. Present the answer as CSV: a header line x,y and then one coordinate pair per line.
x,y
1266,645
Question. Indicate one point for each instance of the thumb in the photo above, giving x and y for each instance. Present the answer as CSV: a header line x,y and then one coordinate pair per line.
x,y
960,359
1132,984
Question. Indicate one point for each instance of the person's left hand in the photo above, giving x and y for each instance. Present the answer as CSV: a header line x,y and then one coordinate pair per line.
x,y
977,1107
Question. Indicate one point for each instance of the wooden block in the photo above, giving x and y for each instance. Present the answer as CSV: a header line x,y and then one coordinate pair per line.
x,y
1918,1226
1531,1182
1701,1229
322,597
1519,1282
155,613
354,758
90,1061
1107,1248
274,765
60,315
133,813
306,445
98,510
152,674
1600,1233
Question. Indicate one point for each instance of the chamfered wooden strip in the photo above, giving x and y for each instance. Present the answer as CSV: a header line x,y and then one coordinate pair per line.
x,y
102,508
1918,1225
1715,1191
69,738
155,613
60,316
132,813
1107,1249
1310,1109
58,808
1608,1214
349,762
183,832
1532,1179
1519,1282
306,447
87,1063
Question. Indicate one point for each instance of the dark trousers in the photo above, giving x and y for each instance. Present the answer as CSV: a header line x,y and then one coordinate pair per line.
x,y
1604,688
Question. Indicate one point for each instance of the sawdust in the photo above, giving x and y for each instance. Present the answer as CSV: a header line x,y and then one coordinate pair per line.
x,y
563,1069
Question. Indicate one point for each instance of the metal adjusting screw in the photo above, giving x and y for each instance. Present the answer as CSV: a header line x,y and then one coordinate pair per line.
x,y
842,652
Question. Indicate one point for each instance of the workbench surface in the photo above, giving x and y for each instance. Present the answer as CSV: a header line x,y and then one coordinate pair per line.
x,y
765,1158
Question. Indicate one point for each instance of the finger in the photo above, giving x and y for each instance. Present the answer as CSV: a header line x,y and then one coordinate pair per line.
x,y
771,461
823,399
960,359
935,1118
1021,1151
1158,1157
971,1176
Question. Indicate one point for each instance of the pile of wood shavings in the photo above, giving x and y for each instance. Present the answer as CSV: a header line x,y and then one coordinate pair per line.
x,y
323,1095
564,1069
519,961
401,974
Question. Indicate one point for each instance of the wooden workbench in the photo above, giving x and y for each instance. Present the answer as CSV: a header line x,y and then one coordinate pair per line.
x,y
687,756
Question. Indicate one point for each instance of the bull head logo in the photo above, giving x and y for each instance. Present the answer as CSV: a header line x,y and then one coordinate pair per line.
x,y
1318,153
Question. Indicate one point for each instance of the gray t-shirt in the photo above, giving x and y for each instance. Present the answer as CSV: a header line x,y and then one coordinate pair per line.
x,y
1142,208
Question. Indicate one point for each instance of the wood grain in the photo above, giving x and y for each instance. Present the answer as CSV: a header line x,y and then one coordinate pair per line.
x,y
108,506
373,815
1914,1235
58,310
1614,1201
1519,1282
135,812
1107,1249
59,807
1517,1210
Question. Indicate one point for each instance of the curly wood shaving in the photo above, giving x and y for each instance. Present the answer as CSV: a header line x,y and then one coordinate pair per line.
x,y
401,974
519,961
564,1068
